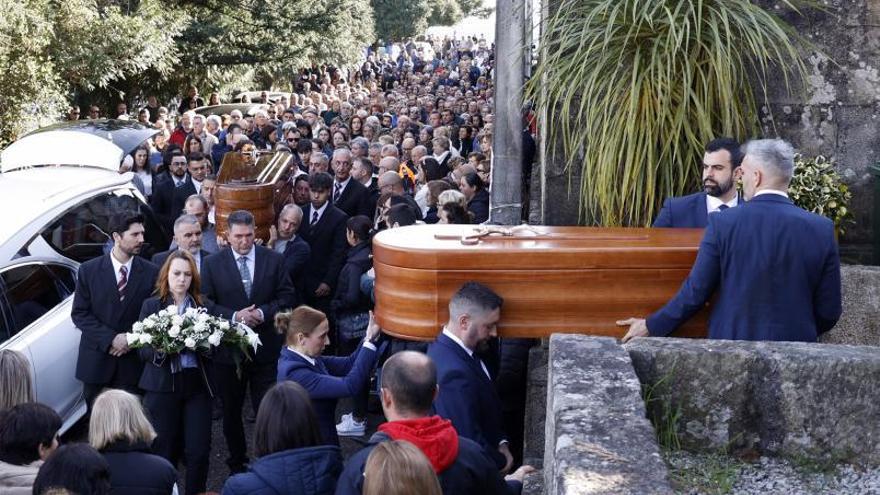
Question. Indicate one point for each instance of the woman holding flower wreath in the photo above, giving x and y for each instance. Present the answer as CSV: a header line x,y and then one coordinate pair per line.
x,y
178,393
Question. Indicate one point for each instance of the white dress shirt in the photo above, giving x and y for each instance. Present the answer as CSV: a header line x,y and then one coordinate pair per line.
x,y
713,203
117,264
772,191
469,352
320,212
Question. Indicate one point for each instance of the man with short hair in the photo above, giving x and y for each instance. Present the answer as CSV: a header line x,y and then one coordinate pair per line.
x,y
326,235
197,170
197,206
468,396
319,163
187,237
163,189
391,183
248,284
409,386
109,293
200,131
296,251
348,195
776,267
721,163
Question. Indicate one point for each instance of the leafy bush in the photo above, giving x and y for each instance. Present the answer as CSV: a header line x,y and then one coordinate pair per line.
x,y
816,186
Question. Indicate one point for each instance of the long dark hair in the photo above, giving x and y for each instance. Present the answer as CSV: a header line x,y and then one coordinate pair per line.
x,y
285,421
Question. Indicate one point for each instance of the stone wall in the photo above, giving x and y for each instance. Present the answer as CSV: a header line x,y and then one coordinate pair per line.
x,y
802,401
860,322
598,440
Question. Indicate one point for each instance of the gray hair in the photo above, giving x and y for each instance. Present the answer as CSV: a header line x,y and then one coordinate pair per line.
x,y
185,219
360,142
198,197
16,384
321,156
291,207
774,156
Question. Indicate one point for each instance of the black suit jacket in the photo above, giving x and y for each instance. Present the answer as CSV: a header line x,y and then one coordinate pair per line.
x,y
157,376
159,258
297,254
100,315
163,200
354,200
271,292
329,246
179,196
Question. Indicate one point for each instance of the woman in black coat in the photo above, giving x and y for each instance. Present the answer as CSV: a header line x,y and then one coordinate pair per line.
x,y
474,190
120,431
178,392
352,307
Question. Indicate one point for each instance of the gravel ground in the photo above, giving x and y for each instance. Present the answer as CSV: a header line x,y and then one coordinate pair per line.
x,y
695,474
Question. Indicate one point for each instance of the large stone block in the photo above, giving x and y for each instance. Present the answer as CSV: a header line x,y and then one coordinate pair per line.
x,y
860,322
536,406
803,401
598,440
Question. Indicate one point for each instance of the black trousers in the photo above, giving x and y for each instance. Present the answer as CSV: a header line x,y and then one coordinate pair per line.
x,y
231,388
183,419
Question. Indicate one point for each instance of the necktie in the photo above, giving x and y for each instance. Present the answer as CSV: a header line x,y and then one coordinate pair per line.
x,y
336,191
245,272
123,281
314,219
178,184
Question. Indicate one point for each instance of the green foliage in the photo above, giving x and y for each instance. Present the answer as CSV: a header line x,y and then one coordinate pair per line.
x,y
816,186
633,90
662,412
400,19
713,474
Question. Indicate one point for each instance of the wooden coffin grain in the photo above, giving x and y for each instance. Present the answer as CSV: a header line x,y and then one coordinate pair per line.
x,y
556,279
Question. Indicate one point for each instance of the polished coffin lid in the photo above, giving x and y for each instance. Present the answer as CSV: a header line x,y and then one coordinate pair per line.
x,y
553,279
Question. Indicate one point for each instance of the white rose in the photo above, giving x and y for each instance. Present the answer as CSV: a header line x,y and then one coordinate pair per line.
x,y
146,338
254,340
190,343
174,332
177,320
138,327
224,325
132,338
150,323
171,310
203,317
191,312
200,327
215,338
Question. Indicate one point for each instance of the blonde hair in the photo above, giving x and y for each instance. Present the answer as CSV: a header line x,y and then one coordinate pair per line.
x,y
16,385
118,415
399,468
452,196
302,320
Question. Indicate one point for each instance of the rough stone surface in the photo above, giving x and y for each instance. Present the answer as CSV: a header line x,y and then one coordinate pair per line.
x,y
860,322
536,406
598,440
802,401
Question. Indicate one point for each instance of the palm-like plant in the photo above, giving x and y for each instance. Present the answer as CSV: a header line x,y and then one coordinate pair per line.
x,y
633,89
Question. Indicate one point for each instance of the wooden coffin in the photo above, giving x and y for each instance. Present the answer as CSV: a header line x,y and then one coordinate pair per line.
x,y
552,279
258,183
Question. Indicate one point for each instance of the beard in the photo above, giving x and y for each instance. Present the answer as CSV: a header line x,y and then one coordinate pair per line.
x,y
716,189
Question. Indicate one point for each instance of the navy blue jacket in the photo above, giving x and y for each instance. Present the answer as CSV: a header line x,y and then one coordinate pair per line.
x,y
467,396
330,379
306,471
776,267
296,258
472,473
327,240
479,206
271,292
99,314
349,298
134,470
684,212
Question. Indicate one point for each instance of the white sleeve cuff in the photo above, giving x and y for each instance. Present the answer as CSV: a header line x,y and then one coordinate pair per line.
x,y
369,345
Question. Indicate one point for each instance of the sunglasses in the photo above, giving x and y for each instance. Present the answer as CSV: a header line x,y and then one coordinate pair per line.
x,y
293,140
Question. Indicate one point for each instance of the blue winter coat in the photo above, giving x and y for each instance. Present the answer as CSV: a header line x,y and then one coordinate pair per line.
x,y
307,471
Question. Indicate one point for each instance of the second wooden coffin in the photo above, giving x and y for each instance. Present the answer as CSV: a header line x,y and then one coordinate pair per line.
x,y
552,279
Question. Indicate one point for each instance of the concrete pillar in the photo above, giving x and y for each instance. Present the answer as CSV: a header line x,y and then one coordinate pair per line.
x,y
507,146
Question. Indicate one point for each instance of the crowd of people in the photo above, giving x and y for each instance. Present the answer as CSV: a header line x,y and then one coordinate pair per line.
x,y
400,140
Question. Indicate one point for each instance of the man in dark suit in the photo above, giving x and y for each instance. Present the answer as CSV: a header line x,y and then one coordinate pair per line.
x,y
197,169
284,241
362,171
248,284
409,385
348,195
721,163
163,191
109,293
187,237
324,231
467,393
776,266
